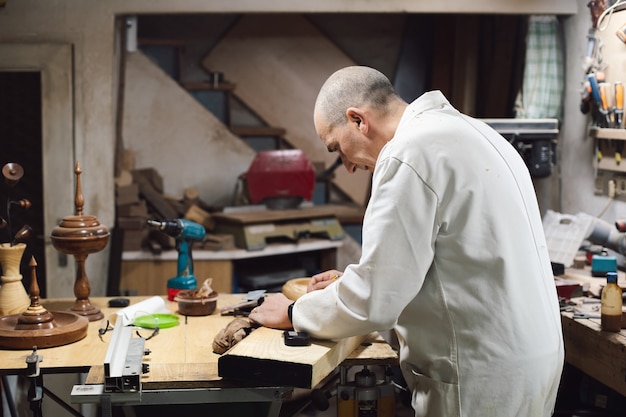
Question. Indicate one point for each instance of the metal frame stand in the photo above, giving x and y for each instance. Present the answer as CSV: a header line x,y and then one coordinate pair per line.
x,y
95,394
36,390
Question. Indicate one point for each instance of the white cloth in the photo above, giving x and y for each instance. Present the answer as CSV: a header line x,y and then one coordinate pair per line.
x,y
455,259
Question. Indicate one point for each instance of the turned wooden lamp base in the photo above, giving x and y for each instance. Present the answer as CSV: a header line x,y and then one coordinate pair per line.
x,y
86,309
79,235
38,327
69,329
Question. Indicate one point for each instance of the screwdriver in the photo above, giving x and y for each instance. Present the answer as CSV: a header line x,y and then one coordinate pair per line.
x,y
619,104
604,98
595,94
619,115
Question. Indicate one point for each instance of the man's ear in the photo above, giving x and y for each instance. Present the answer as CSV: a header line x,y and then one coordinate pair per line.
x,y
357,116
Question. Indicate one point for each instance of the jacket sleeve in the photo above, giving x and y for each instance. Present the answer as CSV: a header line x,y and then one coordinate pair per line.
x,y
399,231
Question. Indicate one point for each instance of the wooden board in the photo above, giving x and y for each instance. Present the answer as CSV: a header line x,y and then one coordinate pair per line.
x,y
270,216
182,357
373,350
263,356
180,353
279,62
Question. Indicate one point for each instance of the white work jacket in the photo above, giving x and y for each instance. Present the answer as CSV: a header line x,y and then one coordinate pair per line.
x,y
454,258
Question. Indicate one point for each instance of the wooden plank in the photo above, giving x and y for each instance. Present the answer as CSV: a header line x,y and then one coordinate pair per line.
x,y
149,175
279,63
263,356
265,216
134,210
218,242
197,214
181,355
126,194
373,350
560,7
157,201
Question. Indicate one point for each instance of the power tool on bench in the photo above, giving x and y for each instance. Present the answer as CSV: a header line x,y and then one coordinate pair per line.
x,y
185,232
366,396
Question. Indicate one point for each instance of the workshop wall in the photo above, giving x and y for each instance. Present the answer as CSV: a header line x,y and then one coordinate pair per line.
x,y
571,188
167,129
90,29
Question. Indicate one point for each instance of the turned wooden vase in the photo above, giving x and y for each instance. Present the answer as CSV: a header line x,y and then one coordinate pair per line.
x,y
13,296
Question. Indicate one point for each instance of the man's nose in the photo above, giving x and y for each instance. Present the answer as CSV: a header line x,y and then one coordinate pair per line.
x,y
350,167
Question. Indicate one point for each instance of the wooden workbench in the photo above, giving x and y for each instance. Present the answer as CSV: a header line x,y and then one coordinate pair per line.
x,y
182,356
599,354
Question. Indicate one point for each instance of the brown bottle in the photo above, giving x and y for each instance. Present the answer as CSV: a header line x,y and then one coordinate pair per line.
x,y
611,304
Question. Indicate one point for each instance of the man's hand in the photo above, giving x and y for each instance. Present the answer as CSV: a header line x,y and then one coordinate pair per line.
x,y
323,280
273,312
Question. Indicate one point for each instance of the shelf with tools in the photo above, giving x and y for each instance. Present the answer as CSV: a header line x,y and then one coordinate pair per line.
x,y
610,148
610,164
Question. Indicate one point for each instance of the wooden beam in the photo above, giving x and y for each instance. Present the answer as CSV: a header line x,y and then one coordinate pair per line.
x,y
561,7
263,356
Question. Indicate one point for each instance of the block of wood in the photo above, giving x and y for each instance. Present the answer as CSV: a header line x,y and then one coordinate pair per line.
x,y
133,210
217,242
127,194
149,175
131,223
262,356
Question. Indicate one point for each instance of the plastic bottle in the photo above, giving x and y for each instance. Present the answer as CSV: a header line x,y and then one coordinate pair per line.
x,y
611,307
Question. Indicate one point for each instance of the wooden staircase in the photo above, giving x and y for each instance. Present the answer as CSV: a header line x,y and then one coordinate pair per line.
x,y
217,95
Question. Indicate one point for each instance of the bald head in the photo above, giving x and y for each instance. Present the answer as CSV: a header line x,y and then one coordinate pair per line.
x,y
355,86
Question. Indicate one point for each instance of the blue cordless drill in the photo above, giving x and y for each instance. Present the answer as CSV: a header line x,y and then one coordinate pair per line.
x,y
185,232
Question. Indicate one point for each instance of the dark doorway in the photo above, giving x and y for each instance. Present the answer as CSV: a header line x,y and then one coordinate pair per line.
x,y
21,142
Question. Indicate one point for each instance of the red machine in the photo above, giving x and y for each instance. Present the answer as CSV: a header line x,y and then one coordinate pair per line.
x,y
280,179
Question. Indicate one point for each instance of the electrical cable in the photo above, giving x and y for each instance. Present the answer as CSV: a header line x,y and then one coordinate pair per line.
x,y
606,14
611,198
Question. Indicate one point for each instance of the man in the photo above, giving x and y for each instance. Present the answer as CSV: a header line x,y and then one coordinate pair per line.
x,y
454,256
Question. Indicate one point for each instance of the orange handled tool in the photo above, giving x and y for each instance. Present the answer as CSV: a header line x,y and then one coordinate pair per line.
x,y
619,116
619,104
604,105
